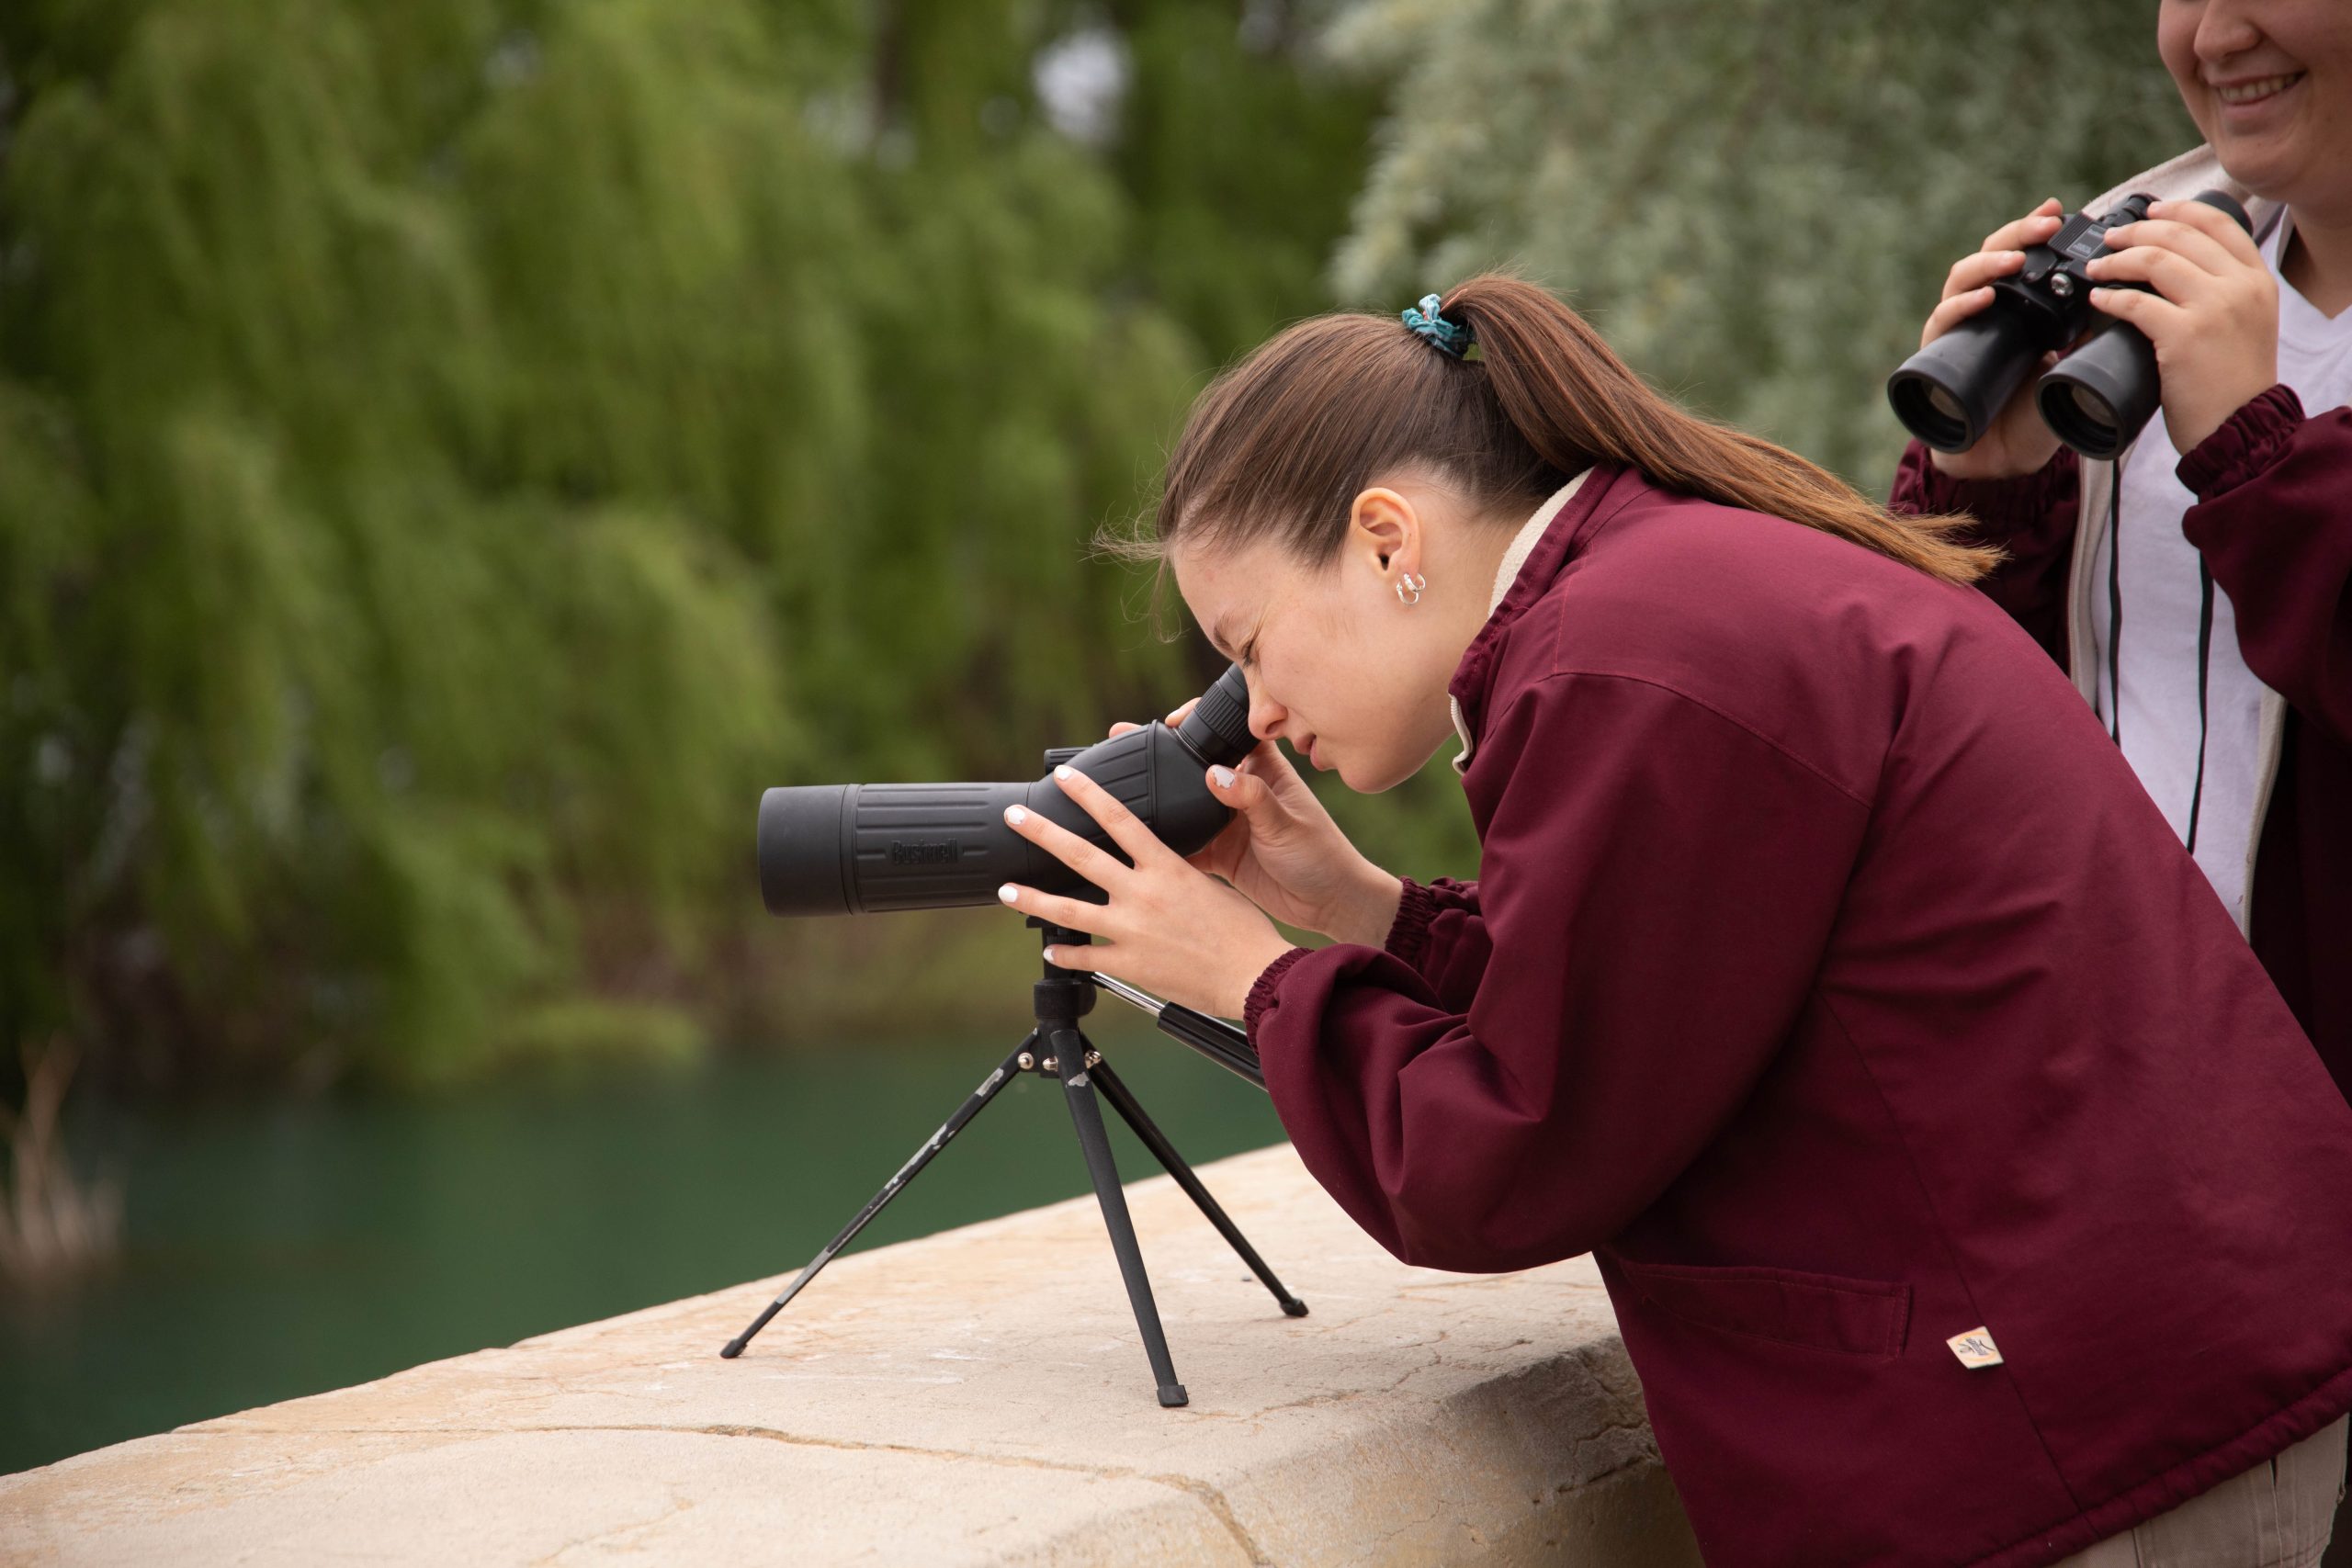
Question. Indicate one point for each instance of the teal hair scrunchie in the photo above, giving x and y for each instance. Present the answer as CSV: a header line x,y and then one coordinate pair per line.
x,y
1450,338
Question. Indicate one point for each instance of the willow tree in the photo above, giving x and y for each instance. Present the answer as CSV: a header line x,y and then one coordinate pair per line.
x,y
454,452
1756,201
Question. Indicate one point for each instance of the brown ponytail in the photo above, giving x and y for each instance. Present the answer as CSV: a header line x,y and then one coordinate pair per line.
x,y
1281,444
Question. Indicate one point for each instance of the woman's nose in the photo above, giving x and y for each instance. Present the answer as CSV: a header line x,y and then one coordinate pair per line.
x,y
2224,31
1266,716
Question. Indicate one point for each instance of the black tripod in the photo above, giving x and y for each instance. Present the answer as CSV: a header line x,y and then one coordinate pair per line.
x,y
1057,1047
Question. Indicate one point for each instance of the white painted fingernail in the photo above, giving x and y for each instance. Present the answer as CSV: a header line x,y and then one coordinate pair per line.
x,y
1007,892
1062,774
1016,815
1051,955
1222,776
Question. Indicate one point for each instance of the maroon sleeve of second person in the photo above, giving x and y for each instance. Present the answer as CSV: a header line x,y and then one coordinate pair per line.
x,y
2274,520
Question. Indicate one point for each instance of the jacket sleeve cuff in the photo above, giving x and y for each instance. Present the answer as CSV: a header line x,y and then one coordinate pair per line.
x,y
2248,441
1262,990
1921,488
1409,932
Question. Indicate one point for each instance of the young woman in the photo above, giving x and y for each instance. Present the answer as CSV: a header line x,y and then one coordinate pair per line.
x,y
2200,590
1965,1193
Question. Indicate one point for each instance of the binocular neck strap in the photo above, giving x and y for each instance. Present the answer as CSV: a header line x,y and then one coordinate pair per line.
x,y
2115,646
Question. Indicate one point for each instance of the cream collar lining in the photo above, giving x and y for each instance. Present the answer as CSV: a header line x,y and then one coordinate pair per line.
x,y
1522,544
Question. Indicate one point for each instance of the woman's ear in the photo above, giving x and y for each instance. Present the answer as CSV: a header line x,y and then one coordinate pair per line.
x,y
1384,527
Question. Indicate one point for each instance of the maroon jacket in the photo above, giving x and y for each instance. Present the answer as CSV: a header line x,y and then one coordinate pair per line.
x,y
1832,979
2273,519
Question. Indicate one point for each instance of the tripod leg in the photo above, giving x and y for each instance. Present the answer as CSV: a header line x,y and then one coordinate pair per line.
x,y
1069,1046
978,1098
1124,1101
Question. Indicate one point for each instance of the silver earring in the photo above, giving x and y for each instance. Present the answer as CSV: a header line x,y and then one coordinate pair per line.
x,y
1415,583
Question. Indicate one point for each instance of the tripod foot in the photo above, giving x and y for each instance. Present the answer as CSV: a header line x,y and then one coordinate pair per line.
x,y
1172,1395
1124,1101
734,1346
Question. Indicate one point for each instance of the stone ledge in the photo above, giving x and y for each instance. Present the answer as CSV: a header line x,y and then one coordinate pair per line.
x,y
974,1397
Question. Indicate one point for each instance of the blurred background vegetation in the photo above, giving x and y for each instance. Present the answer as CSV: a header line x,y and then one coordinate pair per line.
x,y
455,452
1756,201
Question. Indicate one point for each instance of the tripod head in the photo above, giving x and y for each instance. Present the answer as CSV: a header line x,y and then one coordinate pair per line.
x,y
1074,989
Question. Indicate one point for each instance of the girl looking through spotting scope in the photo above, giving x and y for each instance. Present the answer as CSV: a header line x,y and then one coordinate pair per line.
x,y
1964,1191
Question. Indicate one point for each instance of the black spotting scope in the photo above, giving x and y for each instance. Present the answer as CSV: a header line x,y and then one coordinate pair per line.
x,y
2096,399
862,849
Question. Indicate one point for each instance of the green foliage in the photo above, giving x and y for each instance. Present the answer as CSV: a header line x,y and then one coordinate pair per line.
x,y
1757,200
453,453
1243,180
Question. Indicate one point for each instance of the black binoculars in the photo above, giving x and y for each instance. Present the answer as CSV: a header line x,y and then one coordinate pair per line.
x,y
2095,400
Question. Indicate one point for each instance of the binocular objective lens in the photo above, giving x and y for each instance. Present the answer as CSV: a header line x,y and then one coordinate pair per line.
x,y
2093,408
1944,404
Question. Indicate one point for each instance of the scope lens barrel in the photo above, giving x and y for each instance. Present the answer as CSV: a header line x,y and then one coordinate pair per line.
x,y
800,849
862,849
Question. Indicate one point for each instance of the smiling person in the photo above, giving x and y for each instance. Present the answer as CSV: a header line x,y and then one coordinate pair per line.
x,y
2199,590
1964,1191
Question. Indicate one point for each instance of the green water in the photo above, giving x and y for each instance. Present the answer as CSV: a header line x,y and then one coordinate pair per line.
x,y
279,1250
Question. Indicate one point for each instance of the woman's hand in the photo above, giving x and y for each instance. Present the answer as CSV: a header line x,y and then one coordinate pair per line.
x,y
1170,928
2213,317
2016,442
1283,852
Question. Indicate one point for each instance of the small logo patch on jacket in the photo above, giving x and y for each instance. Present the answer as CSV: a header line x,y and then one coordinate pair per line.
x,y
1975,1348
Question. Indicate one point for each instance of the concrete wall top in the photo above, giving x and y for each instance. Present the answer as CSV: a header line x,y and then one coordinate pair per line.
x,y
977,1396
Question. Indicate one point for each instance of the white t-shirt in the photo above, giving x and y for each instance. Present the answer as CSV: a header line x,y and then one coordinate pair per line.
x,y
2160,594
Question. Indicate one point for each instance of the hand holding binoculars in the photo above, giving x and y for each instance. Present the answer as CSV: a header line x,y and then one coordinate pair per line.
x,y
2095,400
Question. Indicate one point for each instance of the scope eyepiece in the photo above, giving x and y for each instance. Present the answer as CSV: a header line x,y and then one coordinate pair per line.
x,y
1217,729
